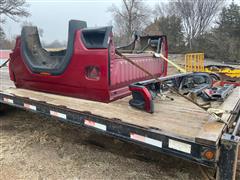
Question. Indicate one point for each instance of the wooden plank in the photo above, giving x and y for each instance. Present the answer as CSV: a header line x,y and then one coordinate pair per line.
x,y
211,131
179,118
230,104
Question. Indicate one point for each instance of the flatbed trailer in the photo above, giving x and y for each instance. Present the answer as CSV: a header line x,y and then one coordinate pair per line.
x,y
178,128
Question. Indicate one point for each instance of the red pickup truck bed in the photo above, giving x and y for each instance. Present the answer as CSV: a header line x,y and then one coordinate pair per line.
x,y
89,68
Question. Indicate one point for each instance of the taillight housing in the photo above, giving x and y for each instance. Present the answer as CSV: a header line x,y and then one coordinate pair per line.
x,y
208,154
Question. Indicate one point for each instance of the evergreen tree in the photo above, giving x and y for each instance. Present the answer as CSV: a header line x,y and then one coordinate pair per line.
x,y
229,23
227,33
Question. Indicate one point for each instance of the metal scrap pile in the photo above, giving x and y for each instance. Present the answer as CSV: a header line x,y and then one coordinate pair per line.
x,y
195,86
217,93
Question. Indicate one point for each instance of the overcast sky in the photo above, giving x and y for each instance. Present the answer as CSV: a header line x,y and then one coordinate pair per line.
x,y
53,16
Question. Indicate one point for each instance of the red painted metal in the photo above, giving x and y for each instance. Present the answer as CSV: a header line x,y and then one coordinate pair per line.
x,y
222,83
4,54
115,74
146,95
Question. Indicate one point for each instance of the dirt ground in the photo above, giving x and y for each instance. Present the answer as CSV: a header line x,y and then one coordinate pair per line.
x,y
38,147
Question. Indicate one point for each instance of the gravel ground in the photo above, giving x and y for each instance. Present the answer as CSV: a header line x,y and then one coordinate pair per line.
x,y
38,147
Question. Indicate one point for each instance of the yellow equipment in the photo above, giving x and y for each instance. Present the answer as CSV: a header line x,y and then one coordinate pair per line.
x,y
194,62
233,73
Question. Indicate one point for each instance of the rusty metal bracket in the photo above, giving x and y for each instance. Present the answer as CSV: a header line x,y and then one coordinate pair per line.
x,y
227,163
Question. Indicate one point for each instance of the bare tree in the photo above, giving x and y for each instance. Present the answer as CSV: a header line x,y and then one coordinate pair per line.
x,y
163,9
197,16
133,15
12,9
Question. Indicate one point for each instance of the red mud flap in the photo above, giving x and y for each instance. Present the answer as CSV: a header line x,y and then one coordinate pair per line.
x,y
142,98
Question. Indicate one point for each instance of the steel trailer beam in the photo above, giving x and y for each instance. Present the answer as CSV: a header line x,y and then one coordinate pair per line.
x,y
227,164
150,138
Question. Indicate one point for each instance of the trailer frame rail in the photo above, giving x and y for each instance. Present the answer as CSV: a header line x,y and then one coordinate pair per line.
x,y
150,138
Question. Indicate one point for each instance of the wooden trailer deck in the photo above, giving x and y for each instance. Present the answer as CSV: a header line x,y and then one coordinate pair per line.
x,y
179,118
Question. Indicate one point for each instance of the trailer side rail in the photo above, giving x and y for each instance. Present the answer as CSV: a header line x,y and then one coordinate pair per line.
x,y
148,137
224,152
